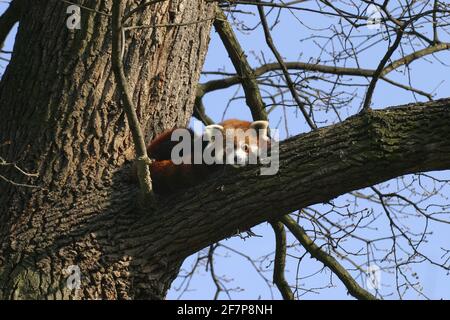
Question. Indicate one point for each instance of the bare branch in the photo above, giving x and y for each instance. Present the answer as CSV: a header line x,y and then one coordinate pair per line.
x,y
243,69
406,60
200,113
280,261
289,81
87,8
142,160
352,286
314,168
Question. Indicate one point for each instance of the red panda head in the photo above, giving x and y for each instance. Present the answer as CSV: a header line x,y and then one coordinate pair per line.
x,y
238,142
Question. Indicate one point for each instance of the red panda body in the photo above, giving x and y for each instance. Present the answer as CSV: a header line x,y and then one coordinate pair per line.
x,y
168,177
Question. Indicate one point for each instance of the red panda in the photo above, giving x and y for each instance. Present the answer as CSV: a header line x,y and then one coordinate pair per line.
x,y
242,144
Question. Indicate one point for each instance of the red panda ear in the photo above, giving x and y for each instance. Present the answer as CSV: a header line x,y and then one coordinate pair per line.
x,y
213,130
261,128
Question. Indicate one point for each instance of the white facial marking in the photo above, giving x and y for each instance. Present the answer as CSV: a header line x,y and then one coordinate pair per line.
x,y
241,156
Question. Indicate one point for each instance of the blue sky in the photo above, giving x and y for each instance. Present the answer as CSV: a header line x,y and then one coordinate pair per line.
x,y
239,272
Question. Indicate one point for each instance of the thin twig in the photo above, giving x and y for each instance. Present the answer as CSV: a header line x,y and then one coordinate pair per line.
x,y
169,25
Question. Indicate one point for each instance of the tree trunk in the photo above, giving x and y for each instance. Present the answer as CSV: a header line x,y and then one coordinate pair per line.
x,y
61,118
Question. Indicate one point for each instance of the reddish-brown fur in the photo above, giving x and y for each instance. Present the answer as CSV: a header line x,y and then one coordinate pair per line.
x,y
168,177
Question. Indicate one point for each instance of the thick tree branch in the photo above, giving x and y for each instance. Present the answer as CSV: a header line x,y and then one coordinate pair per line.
x,y
352,286
314,168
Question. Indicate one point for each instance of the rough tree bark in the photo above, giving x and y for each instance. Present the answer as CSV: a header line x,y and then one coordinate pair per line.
x,y
60,118
314,168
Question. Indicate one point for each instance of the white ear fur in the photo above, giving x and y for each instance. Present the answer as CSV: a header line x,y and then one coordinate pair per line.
x,y
260,127
212,130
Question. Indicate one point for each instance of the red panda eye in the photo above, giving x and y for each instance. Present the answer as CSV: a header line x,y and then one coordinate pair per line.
x,y
245,147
